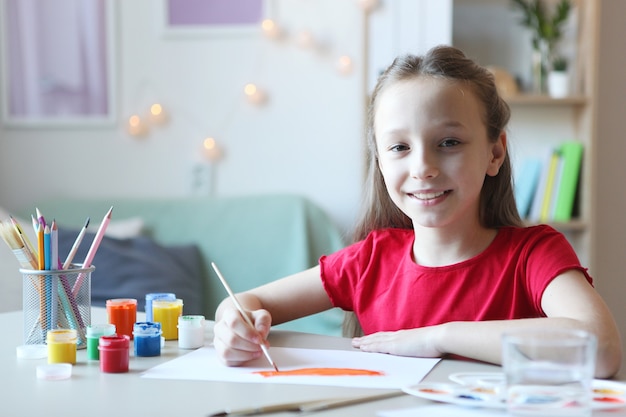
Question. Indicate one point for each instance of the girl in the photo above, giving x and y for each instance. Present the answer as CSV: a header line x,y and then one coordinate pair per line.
x,y
441,264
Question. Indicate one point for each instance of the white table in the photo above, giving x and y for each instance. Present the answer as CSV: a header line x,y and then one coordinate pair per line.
x,y
92,393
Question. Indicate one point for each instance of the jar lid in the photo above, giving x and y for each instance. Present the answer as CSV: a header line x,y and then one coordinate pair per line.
x,y
32,351
114,341
160,296
102,329
191,321
121,301
147,328
54,371
167,303
61,336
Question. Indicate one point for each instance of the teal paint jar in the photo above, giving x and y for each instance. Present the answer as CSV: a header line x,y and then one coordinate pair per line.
x,y
94,333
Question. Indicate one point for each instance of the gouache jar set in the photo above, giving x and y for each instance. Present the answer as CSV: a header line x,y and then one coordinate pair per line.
x,y
167,296
114,353
122,312
190,332
62,346
147,338
94,333
167,313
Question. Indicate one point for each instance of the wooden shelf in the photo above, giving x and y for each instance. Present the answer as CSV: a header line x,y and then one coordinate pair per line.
x,y
572,226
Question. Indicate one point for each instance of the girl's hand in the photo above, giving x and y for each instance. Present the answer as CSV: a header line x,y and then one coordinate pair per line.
x,y
414,342
235,341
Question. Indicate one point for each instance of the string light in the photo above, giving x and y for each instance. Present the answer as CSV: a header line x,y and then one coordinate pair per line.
x,y
136,126
344,65
271,29
211,150
305,40
254,94
368,5
157,114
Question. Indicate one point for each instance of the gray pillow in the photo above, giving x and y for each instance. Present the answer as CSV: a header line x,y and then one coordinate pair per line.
x,y
134,267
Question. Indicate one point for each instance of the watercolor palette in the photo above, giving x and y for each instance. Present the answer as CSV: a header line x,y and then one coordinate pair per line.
x,y
486,389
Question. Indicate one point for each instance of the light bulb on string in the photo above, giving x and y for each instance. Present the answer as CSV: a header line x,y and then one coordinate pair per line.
x,y
210,149
136,126
305,39
254,94
157,114
344,65
271,29
368,5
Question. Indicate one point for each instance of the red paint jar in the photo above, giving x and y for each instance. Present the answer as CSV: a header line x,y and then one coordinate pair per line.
x,y
114,353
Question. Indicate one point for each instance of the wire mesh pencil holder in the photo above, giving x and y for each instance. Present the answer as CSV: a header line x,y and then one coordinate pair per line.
x,y
56,300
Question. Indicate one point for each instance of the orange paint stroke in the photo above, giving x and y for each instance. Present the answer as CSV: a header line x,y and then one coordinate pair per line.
x,y
320,372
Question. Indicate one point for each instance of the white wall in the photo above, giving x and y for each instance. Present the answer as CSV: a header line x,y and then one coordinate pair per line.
x,y
306,139
610,205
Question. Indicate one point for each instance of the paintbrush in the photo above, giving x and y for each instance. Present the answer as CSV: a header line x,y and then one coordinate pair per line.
x,y
243,312
307,406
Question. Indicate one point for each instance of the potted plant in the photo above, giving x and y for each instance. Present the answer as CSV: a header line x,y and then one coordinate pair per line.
x,y
547,30
558,78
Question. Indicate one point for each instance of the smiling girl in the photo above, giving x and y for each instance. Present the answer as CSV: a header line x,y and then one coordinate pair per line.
x,y
441,264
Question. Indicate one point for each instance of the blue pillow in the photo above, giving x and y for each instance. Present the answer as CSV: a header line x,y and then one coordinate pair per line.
x,y
134,267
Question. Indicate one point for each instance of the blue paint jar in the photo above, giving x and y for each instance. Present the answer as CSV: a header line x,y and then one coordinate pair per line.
x,y
147,338
168,296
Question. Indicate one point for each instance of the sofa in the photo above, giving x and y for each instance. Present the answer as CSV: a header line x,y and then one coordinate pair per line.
x,y
167,245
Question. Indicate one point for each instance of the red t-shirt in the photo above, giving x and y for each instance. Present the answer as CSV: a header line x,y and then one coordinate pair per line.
x,y
378,279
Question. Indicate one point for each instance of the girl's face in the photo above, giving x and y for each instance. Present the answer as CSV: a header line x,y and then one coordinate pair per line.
x,y
433,150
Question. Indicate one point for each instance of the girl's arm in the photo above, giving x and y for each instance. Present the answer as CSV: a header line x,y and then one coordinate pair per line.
x,y
287,299
568,301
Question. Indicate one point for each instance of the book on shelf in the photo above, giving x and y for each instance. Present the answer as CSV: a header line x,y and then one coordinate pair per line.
x,y
554,180
526,185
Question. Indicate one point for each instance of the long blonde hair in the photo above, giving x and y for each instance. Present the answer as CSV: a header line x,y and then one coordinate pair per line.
x,y
497,201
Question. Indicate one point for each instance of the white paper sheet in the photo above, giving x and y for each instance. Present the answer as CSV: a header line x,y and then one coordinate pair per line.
x,y
203,364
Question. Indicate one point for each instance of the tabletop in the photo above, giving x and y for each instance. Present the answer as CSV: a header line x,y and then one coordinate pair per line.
x,y
91,392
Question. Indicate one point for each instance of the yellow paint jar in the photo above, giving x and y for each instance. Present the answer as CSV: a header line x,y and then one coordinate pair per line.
x,y
62,345
167,312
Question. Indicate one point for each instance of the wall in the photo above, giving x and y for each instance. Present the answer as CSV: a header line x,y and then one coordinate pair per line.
x,y
306,139
610,205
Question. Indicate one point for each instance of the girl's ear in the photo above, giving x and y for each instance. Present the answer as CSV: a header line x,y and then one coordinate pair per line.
x,y
498,153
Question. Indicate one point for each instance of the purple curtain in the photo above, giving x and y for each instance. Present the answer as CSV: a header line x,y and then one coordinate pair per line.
x,y
57,54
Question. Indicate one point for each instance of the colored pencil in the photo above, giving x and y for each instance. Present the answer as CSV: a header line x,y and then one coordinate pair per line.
x,y
75,246
92,250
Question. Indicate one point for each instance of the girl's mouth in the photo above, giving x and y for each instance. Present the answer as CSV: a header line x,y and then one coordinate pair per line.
x,y
429,196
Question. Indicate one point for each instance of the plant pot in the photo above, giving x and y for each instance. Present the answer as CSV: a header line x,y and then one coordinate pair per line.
x,y
558,84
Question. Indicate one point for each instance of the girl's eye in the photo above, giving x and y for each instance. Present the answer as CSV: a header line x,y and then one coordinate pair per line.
x,y
447,143
398,148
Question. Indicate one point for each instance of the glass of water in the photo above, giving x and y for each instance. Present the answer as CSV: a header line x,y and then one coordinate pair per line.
x,y
549,372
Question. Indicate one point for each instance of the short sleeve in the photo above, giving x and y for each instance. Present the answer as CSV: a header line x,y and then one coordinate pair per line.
x,y
548,255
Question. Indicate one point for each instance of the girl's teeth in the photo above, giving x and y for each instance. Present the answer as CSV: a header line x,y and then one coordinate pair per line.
x,y
428,196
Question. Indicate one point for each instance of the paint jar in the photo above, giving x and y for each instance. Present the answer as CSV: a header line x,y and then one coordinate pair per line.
x,y
190,332
167,313
122,312
156,296
147,338
62,345
94,332
114,353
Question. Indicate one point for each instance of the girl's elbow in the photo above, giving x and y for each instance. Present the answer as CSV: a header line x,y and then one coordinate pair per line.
x,y
609,359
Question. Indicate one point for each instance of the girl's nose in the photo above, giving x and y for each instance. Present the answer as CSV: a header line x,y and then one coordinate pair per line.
x,y
423,165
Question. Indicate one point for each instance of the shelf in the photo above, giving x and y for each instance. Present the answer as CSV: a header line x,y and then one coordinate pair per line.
x,y
575,225
545,100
